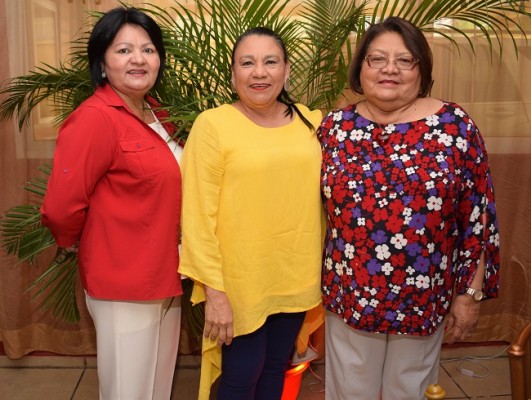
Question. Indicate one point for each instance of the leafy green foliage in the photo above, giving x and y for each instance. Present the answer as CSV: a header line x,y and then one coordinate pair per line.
x,y
320,39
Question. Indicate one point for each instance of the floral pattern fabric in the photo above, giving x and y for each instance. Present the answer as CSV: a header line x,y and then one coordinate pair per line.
x,y
410,211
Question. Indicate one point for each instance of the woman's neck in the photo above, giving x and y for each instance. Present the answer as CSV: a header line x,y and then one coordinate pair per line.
x,y
386,116
273,116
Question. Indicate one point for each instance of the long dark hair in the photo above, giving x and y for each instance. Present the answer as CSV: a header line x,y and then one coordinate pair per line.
x,y
283,96
105,31
415,42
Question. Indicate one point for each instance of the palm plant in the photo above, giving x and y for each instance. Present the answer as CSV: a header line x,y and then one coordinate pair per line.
x,y
197,77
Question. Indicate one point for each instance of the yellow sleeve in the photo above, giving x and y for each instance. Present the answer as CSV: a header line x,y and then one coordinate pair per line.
x,y
202,170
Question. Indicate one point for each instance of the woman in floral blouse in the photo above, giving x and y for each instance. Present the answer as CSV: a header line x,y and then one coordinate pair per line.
x,y
412,238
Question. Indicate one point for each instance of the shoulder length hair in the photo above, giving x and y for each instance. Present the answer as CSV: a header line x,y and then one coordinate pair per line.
x,y
105,31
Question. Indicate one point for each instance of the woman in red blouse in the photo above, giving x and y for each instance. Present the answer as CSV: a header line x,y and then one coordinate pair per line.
x,y
412,238
115,191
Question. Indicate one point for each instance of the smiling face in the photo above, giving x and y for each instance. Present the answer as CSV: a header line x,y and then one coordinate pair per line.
x,y
389,84
132,62
259,71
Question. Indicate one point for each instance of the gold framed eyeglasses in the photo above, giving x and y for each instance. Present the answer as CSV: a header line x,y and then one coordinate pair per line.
x,y
402,63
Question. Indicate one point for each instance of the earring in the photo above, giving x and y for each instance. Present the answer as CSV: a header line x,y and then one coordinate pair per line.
x,y
103,74
287,85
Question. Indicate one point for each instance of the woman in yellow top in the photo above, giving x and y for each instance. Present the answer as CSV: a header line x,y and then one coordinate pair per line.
x,y
251,222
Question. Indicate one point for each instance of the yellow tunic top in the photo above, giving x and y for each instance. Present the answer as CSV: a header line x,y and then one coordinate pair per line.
x,y
251,221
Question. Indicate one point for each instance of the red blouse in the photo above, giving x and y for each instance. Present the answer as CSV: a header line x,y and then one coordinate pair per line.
x,y
116,188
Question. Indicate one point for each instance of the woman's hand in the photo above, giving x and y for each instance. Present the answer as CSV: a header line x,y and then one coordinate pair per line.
x,y
218,316
463,318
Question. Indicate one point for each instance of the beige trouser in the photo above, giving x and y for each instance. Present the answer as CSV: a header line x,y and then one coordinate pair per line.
x,y
372,366
137,345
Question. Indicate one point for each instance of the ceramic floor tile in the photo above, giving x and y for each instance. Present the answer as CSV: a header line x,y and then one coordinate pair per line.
x,y
446,382
43,362
185,384
312,383
32,383
75,378
88,386
495,383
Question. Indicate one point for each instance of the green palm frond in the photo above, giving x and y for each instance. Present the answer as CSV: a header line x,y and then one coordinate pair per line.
x,y
23,235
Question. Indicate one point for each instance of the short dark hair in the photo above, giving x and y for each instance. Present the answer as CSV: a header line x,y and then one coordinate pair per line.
x,y
283,96
415,42
105,31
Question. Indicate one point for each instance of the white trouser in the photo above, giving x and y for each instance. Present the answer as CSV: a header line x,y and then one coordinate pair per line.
x,y
137,343
372,366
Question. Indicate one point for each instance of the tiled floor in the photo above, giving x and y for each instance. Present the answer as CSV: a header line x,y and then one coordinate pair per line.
x,y
75,378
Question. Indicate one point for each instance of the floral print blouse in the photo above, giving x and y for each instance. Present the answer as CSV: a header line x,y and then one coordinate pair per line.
x,y
410,210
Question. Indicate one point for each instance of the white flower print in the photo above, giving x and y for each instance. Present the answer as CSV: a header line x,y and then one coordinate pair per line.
x,y
363,302
410,270
399,241
382,203
410,170
422,282
407,211
434,203
349,251
405,158
327,191
432,120
382,252
356,135
337,116
387,268
341,136
478,228
357,197
328,264
444,263
475,214
339,269
461,144
395,289
410,281
361,221
445,139
374,303
352,185
459,112
337,211
430,185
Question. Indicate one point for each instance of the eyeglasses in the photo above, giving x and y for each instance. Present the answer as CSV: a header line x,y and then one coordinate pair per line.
x,y
402,63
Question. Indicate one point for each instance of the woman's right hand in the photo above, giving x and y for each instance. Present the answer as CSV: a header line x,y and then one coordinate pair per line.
x,y
218,316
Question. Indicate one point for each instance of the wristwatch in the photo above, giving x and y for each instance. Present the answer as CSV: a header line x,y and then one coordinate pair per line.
x,y
476,294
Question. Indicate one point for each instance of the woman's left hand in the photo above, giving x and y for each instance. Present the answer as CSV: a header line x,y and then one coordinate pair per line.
x,y
463,318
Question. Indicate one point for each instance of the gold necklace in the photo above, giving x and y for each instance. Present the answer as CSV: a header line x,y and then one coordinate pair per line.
x,y
142,110
384,136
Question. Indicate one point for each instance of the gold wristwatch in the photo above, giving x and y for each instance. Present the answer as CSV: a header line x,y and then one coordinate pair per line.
x,y
476,294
